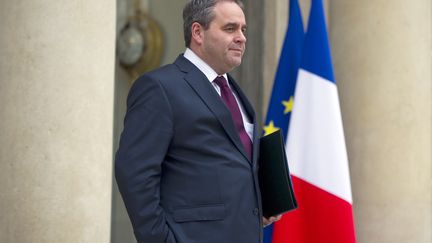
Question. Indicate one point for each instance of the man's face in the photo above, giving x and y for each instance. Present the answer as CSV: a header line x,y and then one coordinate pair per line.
x,y
224,41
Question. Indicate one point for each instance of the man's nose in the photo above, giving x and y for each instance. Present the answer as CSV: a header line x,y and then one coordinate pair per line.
x,y
240,38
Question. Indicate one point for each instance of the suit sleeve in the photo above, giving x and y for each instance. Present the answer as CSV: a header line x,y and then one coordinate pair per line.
x,y
148,129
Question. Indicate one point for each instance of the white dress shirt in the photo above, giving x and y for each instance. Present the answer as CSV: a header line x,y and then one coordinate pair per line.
x,y
211,76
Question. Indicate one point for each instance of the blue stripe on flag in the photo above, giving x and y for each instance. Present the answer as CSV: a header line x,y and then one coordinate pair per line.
x,y
317,30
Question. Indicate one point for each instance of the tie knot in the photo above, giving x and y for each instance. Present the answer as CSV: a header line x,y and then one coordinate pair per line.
x,y
221,82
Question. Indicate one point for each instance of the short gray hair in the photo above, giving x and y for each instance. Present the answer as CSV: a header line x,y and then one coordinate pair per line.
x,y
200,11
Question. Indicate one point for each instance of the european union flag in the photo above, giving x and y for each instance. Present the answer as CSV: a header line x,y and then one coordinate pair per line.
x,y
282,98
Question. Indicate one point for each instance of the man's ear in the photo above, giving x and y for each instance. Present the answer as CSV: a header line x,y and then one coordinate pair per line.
x,y
197,33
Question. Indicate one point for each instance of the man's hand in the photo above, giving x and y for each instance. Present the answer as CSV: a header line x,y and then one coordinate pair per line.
x,y
272,219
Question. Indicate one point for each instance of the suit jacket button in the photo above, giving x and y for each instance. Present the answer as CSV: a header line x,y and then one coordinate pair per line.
x,y
256,211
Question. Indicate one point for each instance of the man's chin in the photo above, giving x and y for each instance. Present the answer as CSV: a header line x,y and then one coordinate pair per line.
x,y
236,61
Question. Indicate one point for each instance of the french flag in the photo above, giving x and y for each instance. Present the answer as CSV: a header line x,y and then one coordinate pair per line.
x,y
316,149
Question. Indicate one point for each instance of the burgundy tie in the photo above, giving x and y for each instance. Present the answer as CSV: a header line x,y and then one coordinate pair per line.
x,y
230,101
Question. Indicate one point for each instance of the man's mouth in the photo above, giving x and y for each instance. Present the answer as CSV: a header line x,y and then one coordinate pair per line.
x,y
237,50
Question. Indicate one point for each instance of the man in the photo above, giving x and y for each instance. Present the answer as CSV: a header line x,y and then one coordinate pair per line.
x,y
187,160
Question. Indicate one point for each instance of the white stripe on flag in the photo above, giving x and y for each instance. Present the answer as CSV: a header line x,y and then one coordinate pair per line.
x,y
316,145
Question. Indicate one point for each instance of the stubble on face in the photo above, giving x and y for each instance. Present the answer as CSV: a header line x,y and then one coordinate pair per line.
x,y
224,41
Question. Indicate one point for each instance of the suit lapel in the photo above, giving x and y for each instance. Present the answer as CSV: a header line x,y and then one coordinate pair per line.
x,y
199,82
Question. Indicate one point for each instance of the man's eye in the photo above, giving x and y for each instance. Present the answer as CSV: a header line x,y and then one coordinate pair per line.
x,y
229,29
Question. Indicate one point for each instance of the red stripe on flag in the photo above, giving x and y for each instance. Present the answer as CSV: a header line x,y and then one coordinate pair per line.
x,y
321,217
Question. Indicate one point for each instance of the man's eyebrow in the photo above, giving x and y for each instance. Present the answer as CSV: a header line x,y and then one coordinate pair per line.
x,y
235,24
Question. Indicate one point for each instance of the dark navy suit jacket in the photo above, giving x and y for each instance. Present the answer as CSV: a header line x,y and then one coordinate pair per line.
x,y
181,168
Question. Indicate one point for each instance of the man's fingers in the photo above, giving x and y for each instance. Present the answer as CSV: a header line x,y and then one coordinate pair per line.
x,y
272,219
278,217
275,218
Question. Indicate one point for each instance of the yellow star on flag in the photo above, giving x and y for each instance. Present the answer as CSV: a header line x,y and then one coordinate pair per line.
x,y
270,128
288,105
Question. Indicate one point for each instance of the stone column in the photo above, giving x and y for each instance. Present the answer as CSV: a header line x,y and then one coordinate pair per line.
x,y
275,25
56,116
382,58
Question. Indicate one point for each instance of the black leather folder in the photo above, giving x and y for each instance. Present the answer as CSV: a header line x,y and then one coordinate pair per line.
x,y
274,178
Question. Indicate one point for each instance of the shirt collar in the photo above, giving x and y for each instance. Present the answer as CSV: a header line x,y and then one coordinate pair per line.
x,y
201,65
